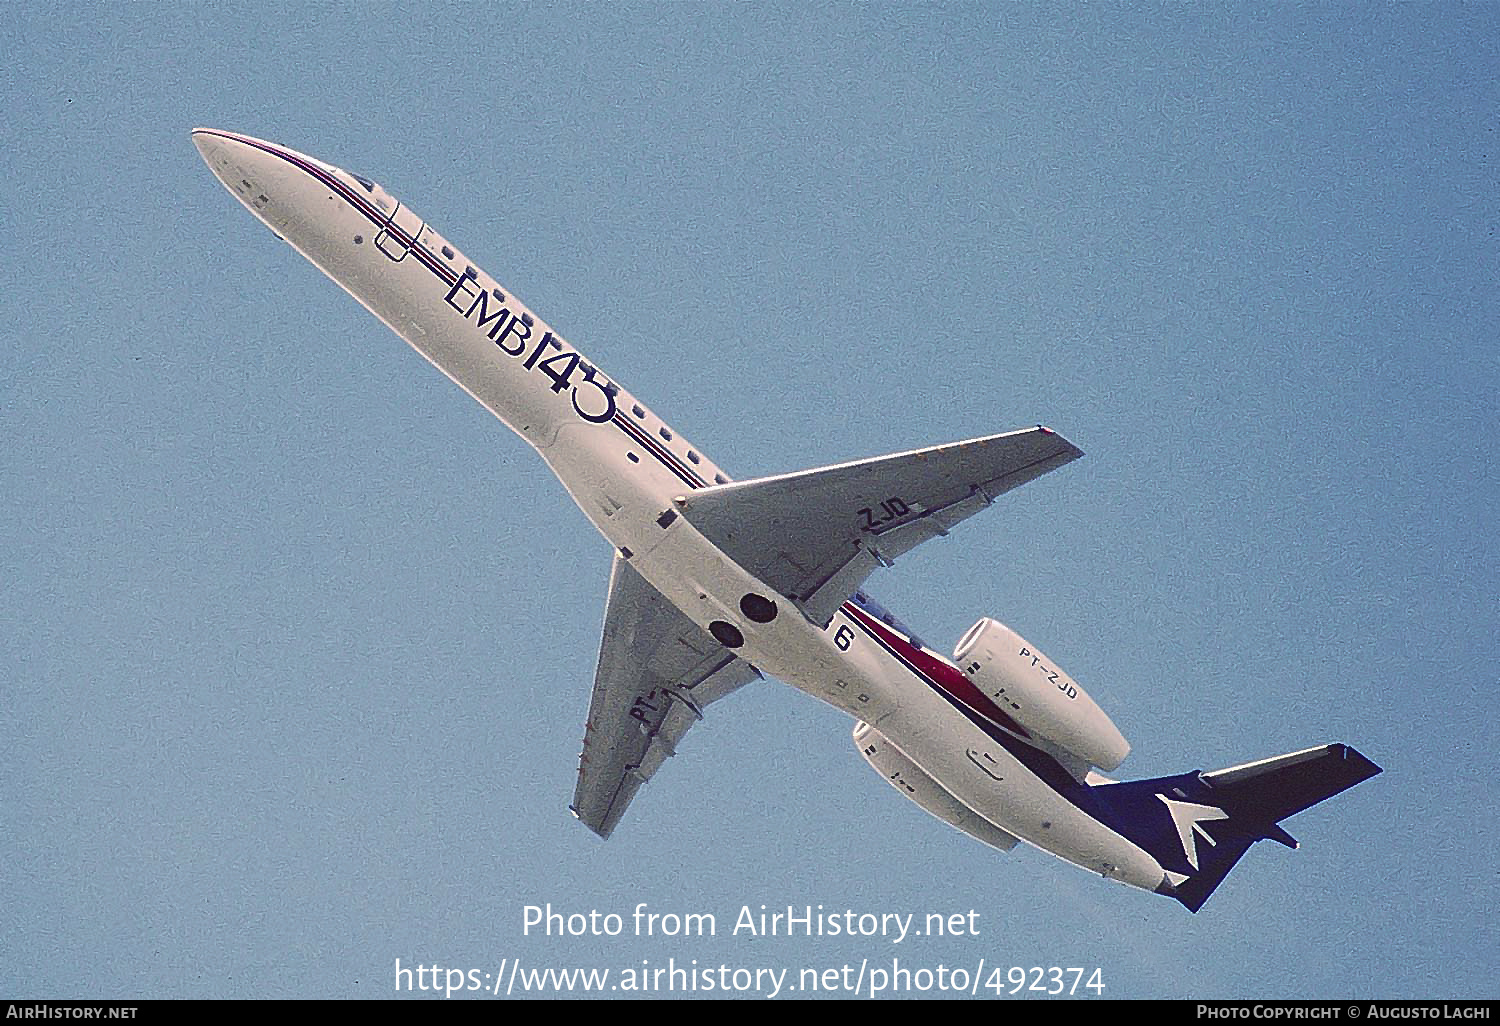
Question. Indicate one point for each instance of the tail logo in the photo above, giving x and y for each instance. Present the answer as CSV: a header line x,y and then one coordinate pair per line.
x,y
1189,817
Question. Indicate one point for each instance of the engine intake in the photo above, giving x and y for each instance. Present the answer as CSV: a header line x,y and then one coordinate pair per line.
x,y
1037,694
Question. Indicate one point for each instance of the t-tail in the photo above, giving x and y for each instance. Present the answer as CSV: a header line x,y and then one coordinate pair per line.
x,y
1197,825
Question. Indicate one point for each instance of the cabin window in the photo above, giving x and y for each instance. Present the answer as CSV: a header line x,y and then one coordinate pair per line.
x,y
693,457
636,409
666,434
448,252
720,479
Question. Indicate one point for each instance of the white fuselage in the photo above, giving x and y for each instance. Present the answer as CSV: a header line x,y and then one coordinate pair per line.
x,y
625,469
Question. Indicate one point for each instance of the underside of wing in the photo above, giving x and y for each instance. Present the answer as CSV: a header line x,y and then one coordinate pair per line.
x,y
657,671
815,536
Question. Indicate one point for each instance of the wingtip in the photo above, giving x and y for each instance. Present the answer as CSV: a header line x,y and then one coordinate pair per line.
x,y
1044,429
602,831
1364,766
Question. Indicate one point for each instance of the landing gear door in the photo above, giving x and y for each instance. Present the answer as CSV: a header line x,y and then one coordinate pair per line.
x,y
400,233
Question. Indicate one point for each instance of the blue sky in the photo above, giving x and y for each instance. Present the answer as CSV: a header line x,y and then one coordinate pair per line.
x,y
296,641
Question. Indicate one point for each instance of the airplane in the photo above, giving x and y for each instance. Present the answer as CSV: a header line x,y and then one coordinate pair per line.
x,y
717,582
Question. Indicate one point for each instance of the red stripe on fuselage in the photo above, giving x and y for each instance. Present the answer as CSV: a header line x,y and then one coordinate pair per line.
x,y
941,672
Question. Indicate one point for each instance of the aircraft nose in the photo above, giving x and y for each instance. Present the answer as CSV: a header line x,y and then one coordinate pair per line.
x,y
207,143
241,167
218,150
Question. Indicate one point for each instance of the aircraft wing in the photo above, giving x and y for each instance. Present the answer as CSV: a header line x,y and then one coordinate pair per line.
x,y
816,535
657,670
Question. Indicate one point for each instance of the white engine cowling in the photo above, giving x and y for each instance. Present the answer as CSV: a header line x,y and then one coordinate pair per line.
x,y
1036,694
911,780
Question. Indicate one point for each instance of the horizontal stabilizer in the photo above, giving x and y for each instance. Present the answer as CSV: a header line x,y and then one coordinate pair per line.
x,y
1198,825
1273,789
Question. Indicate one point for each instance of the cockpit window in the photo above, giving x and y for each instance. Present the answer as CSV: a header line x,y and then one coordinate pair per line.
x,y
362,180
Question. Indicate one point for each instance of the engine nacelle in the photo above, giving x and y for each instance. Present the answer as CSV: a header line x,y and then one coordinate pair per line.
x,y
911,780
1031,689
